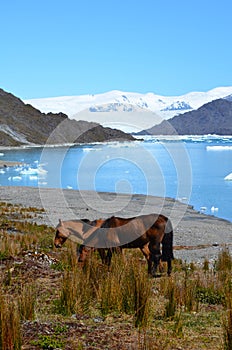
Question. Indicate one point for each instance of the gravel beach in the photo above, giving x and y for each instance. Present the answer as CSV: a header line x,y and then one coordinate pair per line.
x,y
196,236
6,164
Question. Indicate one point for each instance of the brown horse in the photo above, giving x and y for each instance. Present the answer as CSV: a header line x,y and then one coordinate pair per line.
x,y
79,228
146,232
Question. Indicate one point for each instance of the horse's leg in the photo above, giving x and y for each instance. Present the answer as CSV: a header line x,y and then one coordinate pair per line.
x,y
106,255
167,250
169,262
154,248
82,254
146,252
109,256
110,252
102,254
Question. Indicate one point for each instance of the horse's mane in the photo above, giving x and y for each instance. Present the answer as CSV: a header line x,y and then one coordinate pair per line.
x,y
86,221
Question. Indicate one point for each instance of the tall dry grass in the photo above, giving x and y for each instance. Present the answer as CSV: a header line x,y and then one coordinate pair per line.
x,y
10,327
124,288
27,301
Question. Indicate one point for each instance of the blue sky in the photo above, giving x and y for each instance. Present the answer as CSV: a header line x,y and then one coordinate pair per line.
x,y
72,47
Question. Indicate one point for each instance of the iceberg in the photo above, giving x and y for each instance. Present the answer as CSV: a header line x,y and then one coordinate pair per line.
x,y
33,171
228,177
29,171
219,148
15,178
33,178
213,209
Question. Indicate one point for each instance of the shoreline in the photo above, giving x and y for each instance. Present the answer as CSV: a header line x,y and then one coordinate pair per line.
x,y
68,144
8,163
196,236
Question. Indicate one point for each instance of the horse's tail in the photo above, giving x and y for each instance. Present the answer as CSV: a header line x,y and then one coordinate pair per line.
x,y
167,242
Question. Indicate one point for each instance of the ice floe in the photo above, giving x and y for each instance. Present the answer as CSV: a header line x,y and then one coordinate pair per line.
x,y
214,209
14,178
219,148
33,171
228,177
203,209
33,178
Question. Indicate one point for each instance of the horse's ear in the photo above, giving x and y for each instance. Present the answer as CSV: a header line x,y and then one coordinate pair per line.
x,y
60,222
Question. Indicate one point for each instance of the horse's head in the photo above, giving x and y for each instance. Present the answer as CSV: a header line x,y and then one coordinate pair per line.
x,y
62,233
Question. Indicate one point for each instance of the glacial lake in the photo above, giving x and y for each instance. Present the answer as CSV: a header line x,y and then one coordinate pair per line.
x,y
193,169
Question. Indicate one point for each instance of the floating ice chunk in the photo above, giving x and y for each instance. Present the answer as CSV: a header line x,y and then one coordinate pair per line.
x,y
29,171
228,177
42,171
2,171
203,209
18,169
16,178
214,209
69,187
33,178
1,154
33,171
219,148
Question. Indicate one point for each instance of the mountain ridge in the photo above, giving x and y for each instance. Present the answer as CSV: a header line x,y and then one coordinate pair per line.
x,y
120,105
148,100
23,124
212,118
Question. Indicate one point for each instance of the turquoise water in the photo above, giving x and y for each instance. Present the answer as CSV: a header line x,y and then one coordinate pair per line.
x,y
191,169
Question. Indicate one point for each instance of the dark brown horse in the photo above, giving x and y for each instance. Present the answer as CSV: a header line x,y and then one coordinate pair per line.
x,y
146,232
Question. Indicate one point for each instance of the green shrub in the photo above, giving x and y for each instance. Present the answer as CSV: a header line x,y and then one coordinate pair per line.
x,y
47,342
209,296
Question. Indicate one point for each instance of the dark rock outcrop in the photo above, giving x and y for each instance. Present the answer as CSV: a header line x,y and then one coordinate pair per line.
x,y
212,118
21,123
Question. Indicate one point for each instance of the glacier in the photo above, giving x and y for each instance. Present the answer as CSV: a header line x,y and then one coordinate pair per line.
x,y
128,111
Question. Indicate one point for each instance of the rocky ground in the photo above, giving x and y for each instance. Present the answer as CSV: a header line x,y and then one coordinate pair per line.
x,y
196,236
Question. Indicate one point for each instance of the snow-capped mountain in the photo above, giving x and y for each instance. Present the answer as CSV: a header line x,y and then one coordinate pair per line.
x,y
229,98
177,106
127,111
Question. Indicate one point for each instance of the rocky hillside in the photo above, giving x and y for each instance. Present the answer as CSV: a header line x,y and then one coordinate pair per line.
x,y
212,118
21,123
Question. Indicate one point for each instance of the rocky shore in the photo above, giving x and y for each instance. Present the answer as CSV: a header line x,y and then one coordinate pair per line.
x,y
6,164
196,236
